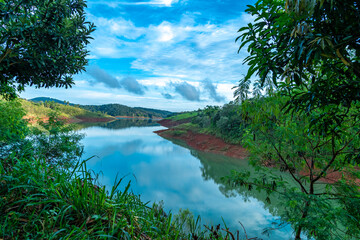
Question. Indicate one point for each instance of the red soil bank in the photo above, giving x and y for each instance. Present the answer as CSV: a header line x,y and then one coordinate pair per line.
x,y
206,143
212,144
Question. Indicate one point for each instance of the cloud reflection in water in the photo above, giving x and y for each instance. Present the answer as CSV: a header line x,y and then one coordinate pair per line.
x,y
168,172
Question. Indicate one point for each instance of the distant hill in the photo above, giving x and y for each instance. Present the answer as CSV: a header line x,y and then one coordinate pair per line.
x,y
47,99
41,109
113,109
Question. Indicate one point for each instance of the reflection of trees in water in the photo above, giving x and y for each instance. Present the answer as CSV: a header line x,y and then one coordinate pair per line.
x,y
215,166
122,123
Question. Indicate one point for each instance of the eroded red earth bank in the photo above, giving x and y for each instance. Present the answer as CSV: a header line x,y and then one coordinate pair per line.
x,y
212,144
202,142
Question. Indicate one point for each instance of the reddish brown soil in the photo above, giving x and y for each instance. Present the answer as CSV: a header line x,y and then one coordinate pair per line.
x,y
33,120
332,176
210,143
206,143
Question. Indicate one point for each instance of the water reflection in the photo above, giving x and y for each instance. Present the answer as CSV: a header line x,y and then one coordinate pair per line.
x,y
182,178
121,123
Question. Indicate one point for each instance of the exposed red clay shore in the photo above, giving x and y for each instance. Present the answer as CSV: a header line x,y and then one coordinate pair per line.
x,y
202,142
212,144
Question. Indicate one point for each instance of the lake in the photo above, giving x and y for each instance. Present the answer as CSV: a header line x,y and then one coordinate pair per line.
x,y
183,178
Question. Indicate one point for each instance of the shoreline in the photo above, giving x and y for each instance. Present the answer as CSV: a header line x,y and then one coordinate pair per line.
x,y
200,141
212,144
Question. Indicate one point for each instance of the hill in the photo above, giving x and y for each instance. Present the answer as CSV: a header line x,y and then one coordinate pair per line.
x,y
122,110
48,99
41,109
113,109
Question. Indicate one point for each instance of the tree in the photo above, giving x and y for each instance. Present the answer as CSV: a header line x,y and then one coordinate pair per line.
x,y
13,128
42,43
306,44
318,166
311,51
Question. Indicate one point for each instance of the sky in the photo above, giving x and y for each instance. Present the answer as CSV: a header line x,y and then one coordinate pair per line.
x,y
176,55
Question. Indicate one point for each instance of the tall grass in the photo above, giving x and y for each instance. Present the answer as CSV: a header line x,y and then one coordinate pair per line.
x,y
40,201
43,201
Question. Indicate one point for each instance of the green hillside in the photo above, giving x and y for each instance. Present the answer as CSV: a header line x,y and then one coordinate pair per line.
x,y
48,99
122,110
43,109
113,109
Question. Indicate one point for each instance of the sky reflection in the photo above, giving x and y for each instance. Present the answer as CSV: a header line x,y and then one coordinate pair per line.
x,y
161,170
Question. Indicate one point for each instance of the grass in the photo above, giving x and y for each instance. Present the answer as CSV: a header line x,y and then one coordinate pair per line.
x,y
36,109
43,201
40,201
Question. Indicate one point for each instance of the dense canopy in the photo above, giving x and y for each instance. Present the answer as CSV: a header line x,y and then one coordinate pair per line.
x,y
42,43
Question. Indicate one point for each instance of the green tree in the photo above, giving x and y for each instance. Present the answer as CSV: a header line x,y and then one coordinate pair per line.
x,y
42,43
319,165
13,128
312,45
310,49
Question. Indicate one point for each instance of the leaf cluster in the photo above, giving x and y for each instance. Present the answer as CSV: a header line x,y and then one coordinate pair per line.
x,y
42,43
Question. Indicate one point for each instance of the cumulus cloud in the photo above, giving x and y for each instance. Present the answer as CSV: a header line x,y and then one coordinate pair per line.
x,y
101,76
211,90
167,96
187,91
130,84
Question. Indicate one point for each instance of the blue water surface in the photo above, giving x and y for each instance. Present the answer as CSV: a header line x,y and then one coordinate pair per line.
x,y
161,170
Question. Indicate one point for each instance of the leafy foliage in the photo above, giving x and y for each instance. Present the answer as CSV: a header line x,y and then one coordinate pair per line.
x,y
12,126
323,165
224,122
311,52
56,142
42,43
312,159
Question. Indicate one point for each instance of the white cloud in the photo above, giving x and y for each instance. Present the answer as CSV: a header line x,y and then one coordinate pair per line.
x,y
170,52
167,3
165,32
175,52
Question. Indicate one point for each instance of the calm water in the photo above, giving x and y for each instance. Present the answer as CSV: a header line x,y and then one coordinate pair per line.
x,y
182,178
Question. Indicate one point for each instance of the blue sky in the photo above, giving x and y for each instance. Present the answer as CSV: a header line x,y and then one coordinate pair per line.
x,y
175,55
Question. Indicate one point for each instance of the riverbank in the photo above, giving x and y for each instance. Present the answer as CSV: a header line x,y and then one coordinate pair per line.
x,y
191,135
200,141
